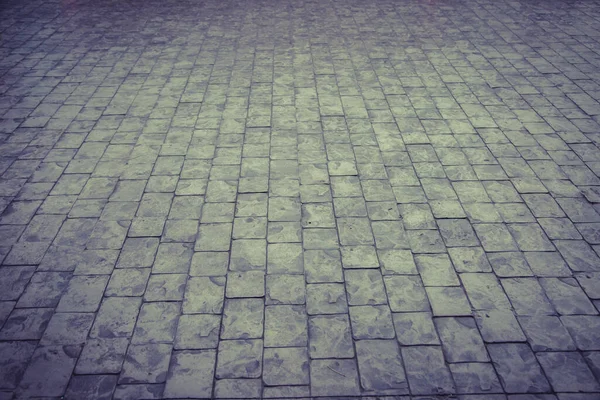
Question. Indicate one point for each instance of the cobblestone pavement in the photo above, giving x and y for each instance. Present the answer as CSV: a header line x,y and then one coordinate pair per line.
x,y
295,198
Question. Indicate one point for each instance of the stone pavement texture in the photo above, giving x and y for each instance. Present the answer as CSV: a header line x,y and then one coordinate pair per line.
x,y
300,199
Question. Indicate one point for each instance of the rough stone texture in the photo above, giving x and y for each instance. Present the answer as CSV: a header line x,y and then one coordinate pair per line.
x,y
299,199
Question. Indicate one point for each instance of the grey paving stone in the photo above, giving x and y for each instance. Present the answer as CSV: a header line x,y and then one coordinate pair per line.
x,y
248,254
238,389
92,386
204,295
165,287
426,371
469,259
67,329
380,365
484,291
285,325
518,368
49,371
475,378
406,293
461,340
498,326
322,266
285,289
83,294
415,328
436,270
13,281
239,359
243,319
527,296
334,377
448,301
371,322
156,323
566,296
190,374
330,337
284,258
364,287
568,372
102,356
197,331
146,363
15,356
116,318
286,366
583,330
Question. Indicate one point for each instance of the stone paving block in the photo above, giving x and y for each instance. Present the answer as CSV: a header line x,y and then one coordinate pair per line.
x,y
566,296
49,371
15,356
415,328
286,366
14,280
499,326
67,329
284,258
83,294
572,375
583,330
518,368
285,325
322,266
426,371
380,365
527,296
94,386
448,301
156,323
364,287
165,287
239,359
285,289
146,363
475,378
190,374
204,295
334,377
102,356
371,322
484,291
461,340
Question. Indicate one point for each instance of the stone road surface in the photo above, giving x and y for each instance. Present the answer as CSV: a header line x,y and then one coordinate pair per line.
x,y
296,198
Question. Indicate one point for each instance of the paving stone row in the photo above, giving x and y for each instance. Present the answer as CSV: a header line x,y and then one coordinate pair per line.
x,y
299,199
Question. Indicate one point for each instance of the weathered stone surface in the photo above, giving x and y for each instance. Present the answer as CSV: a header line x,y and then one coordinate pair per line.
x,y
285,325
330,337
190,374
426,370
146,363
286,366
239,359
334,378
380,365
518,368
192,190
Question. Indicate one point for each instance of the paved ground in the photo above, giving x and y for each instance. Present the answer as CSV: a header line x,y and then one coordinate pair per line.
x,y
243,199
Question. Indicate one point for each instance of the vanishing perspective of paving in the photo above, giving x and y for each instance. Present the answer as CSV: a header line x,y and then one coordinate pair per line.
x,y
300,199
